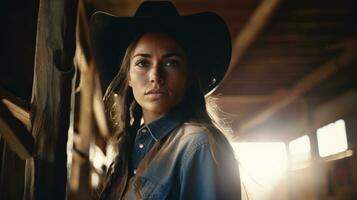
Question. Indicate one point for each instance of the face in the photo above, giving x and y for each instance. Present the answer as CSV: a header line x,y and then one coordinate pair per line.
x,y
158,74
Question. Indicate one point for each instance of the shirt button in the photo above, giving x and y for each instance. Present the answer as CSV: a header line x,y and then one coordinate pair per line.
x,y
134,171
141,146
144,130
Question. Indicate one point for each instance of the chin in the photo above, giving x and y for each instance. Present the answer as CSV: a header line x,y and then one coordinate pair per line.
x,y
158,108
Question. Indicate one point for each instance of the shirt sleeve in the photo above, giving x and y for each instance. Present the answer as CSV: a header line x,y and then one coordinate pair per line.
x,y
205,177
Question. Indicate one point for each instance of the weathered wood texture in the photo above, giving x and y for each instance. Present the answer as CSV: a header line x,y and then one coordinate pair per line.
x,y
11,176
15,124
91,112
251,31
15,133
46,173
307,83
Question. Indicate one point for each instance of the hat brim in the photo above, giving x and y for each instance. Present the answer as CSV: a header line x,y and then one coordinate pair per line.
x,y
204,36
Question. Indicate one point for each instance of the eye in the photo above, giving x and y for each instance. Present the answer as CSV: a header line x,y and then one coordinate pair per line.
x,y
171,63
142,63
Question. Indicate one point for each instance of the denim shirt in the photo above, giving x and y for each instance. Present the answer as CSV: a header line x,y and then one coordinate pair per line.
x,y
186,161
147,135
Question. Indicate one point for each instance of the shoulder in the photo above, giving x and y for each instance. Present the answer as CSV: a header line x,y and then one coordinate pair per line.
x,y
200,133
198,137
188,137
194,133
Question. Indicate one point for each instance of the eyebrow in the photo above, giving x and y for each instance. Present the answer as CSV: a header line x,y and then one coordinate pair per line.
x,y
146,55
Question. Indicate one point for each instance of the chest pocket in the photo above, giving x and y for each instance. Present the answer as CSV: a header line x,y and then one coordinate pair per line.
x,y
144,188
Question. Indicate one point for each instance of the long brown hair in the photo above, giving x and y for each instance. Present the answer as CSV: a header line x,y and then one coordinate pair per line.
x,y
125,116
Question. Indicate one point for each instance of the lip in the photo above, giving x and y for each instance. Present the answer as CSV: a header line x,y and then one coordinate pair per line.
x,y
156,91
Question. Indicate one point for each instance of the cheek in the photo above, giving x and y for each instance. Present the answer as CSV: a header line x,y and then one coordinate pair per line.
x,y
179,83
137,82
135,78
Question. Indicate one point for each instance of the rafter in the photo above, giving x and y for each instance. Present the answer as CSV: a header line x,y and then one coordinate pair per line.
x,y
250,32
236,99
307,83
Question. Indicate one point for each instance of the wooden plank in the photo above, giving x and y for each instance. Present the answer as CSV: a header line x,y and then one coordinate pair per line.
x,y
278,37
19,113
46,173
260,51
84,60
15,133
98,108
238,99
86,132
90,111
281,60
18,108
12,169
4,94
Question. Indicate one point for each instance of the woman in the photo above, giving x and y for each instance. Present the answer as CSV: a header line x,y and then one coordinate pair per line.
x,y
168,146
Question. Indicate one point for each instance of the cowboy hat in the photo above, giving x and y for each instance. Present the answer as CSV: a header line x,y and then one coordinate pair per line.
x,y
204,37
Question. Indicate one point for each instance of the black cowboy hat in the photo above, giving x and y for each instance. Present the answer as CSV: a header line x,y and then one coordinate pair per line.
x,y
204,37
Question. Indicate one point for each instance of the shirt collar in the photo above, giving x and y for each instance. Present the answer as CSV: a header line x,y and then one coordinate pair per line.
x,y
161,127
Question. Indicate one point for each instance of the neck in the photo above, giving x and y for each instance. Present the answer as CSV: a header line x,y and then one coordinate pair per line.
x,y
150,116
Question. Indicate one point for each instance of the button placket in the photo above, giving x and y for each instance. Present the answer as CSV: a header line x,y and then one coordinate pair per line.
x,y
141,131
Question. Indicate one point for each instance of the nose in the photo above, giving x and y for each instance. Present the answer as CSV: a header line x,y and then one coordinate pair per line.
x,y
157,75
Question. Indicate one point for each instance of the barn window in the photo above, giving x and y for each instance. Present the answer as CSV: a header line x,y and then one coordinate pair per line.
x,y
262,168
300,152
332,138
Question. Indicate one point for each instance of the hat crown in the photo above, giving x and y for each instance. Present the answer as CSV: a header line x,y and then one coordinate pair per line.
x,y
156,9
204,36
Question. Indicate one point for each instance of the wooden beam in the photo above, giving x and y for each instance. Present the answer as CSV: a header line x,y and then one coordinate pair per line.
x,y
323,114
86,132
98,108
122,8
81,176
237,99
84,60
19,109
280,60
15,124
335,109
251,30
52,97
15,133
307,83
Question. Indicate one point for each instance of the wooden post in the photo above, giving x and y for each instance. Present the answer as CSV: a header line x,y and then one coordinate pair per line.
x,y
81,176
46,173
